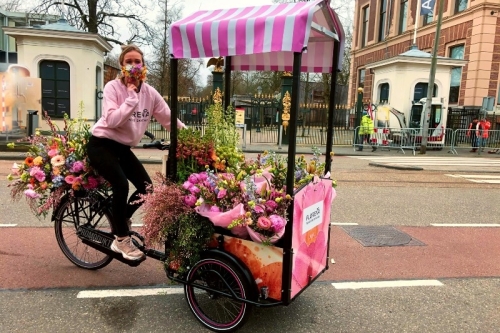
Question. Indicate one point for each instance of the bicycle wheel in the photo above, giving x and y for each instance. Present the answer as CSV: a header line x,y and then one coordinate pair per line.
x,y
219,313
73,212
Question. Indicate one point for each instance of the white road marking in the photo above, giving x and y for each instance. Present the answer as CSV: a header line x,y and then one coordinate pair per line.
x,y
343,223
432,161
7,225
386,284
484,179
138,225
467,225
129,292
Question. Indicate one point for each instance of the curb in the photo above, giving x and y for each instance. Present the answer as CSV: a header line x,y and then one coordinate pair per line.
x,y
396,167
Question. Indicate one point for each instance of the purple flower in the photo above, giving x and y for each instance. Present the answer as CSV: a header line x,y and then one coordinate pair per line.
x,y
190,200
222,193
77,166
277,223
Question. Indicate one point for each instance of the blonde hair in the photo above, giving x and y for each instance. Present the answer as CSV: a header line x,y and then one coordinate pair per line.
x,y
129,48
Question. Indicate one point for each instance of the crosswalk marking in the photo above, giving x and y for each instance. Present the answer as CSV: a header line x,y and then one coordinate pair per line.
x,y
429,160
485,179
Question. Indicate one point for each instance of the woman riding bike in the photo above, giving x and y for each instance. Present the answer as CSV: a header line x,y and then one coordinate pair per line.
x,y
128,105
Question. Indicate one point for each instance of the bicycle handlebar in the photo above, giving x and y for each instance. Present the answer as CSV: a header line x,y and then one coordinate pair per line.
x,y
157,144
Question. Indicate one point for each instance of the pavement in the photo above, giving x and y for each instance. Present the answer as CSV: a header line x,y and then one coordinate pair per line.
x,y
155,156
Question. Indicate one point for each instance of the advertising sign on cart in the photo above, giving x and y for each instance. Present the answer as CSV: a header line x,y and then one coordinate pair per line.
x,y
311,214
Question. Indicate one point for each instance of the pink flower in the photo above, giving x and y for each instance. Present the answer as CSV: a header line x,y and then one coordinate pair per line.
x,y
190,200
15,169
37,173
52,152
222,193
264,223
258,209
194,189
77,166
31,194
92,182
271,206
277,223
187,184
70,179
215,209
193,179
202,176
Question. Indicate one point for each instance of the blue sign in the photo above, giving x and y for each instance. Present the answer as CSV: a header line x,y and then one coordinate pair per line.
x,y
427,7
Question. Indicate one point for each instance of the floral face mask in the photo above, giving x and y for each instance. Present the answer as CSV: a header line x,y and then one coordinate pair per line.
x,y
134,72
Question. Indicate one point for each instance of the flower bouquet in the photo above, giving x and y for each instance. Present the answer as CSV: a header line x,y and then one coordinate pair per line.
x,y
54,164
133,73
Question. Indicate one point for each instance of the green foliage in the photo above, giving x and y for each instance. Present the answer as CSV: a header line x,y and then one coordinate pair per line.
x,y
186,238
194,153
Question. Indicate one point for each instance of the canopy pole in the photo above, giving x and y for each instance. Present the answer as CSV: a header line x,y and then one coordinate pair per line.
x,y
172,161
331,106
227,82
290,180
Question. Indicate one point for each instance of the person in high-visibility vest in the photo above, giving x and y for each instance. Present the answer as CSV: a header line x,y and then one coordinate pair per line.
x,y
366,130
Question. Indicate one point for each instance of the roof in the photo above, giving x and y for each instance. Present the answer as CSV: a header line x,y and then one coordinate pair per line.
x,y
60,25
414,55
262,37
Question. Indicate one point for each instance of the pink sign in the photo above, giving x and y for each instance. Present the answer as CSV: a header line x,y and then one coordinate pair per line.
x,y
311,219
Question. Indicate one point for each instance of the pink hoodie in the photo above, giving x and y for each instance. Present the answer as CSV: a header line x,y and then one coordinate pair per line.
x,y
126,114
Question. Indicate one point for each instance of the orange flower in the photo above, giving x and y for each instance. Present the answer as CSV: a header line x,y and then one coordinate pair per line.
x,y
56,171
29,161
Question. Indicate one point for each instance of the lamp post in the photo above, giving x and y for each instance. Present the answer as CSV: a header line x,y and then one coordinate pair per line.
x,y
190,107
259,96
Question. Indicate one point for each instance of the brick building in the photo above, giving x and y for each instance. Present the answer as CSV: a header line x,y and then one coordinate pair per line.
x,y
470,31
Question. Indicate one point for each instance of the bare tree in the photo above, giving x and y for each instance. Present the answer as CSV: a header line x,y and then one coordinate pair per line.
x,y
11,5
103,17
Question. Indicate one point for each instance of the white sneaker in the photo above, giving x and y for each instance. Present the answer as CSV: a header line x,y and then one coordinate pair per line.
x,y
127,249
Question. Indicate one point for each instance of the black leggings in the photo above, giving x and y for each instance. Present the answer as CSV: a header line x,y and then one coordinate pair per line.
x,y
118,164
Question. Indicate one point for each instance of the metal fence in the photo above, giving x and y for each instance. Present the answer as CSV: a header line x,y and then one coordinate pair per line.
x,y
466,140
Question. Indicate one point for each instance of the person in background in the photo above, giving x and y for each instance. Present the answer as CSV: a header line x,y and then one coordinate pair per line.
x,y
472,132
484,133
366,130
129,103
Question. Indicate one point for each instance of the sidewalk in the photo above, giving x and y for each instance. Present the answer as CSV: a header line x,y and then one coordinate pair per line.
x,y
155,156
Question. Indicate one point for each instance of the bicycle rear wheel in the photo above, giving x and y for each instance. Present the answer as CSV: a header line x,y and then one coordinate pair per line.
x,y
72,213
215,309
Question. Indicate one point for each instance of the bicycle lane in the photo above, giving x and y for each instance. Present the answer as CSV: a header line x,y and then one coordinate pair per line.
x,y
31,259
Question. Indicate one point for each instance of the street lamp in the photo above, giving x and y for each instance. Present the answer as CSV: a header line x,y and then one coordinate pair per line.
x,y
190,107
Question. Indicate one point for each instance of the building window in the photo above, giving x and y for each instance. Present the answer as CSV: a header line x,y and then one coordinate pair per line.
x,y
456,52
428,19
384,93
364,30
421,91
361,78
382,23
460,5
55,87
403,16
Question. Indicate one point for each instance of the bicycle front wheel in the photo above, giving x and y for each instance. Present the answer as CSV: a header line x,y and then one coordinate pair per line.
x,y
72,213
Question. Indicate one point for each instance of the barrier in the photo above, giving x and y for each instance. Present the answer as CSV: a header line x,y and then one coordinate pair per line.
x,y
389,138
466,139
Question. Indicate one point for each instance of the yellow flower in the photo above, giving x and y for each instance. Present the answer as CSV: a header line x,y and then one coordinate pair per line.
x,y
11,145
38,160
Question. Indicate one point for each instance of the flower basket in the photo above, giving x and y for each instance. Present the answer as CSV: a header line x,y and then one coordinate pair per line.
x,y
260,238
224,219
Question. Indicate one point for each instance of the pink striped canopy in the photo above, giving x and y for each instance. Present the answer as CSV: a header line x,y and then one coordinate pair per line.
x,y
262,37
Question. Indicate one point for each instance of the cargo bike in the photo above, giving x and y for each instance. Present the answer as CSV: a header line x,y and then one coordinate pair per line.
x,y
234,274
